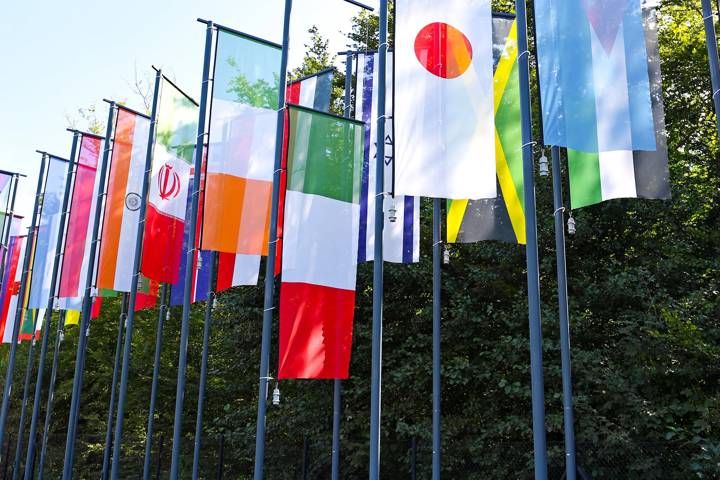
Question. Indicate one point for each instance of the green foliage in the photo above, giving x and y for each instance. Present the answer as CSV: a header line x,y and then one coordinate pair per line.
x,y
260,94
644,287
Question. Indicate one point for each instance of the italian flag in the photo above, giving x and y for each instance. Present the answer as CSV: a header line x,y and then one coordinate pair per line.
x,y
321,223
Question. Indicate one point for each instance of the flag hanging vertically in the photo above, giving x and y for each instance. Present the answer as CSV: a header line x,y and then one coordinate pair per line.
x,y
48,230
5,188
501,218
444,129
241,153
322,212
11,286
75,259
172,161
599,176
122,205
401,234
594,85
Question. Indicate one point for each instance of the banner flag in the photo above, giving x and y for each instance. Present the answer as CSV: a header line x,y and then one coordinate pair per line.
x,y
444,128
147,294
75,260
322,212
173,154
11,286
592,63
241,152
401,238
122,204
5,188
48,230
596,177
501,218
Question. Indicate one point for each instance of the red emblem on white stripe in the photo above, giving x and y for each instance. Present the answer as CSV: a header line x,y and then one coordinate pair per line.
x,y
168,182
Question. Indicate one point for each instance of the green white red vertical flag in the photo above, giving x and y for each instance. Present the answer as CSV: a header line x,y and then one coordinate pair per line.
x,y
444,125
321,222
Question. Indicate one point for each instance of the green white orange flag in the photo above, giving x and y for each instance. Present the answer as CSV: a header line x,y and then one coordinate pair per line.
x,y
321,224
241,153
122,205
501,218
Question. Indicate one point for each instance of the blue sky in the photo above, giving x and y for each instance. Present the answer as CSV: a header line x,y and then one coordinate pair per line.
x,y
61,56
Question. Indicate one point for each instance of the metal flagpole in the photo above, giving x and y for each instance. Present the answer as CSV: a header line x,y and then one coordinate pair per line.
x,y
189,257
113,388
568,416
26,387
337,384
437,241
21,294
375,394
533,269
132,297
84,329
203,368
711,42
29,461
51,393
268,305
162,314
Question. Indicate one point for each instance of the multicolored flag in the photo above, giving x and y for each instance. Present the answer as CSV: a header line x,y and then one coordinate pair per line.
x,y
444,128
401,234
11,286
241,150
122,205
147,294
501,218
48,231
600,176
172,161
76,260
322,212
5,189
593,68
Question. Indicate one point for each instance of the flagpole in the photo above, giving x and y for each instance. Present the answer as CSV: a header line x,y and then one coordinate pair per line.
x,y
8,228
18,313
203,368
711,42
113,388
162,314
437,241
84,331
51,393
29,466
378,264
189,259
533,269
26,386
132,297
566,362
268,304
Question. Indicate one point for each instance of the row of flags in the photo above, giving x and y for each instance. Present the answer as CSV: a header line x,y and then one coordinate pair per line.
x,y
453,131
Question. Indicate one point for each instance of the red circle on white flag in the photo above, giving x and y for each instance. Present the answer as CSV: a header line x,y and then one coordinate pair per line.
x,y
443,50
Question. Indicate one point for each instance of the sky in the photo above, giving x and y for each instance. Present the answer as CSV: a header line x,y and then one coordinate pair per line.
x,y
58,57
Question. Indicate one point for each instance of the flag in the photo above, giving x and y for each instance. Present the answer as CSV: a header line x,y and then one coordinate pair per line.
x,y
444,129
322,212
147,293
11,286
5,188
172,161
47,232
241,153
501,218
122,205
594,85
78,236
595,177
401,238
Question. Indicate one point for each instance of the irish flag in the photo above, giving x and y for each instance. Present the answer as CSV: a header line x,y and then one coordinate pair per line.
x,y
444,129
322,212
122,205
241,152
167,198
593,75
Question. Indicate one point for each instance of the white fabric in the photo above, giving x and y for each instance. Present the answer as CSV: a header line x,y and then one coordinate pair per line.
x,y
617,175
307,92
174,202
445,129
320,241
246,271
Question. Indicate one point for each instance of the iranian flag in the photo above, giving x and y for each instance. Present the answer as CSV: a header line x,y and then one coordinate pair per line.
x,y
322,212
444,126
167,198
122,205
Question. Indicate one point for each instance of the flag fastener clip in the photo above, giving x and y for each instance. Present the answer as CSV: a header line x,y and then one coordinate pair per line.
x,y
544,166
446,255
571,225
276,395
392,211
